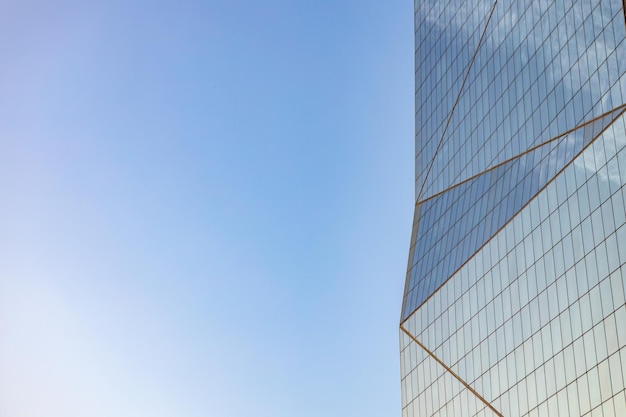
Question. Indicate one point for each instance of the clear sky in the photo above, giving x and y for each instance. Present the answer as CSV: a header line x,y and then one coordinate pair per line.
x,y
205,206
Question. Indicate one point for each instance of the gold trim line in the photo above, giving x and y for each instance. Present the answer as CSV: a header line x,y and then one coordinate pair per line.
x,y
623,110
458,98
559,136
458,378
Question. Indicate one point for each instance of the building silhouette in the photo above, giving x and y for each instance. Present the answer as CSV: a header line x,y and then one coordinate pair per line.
x,y
515,295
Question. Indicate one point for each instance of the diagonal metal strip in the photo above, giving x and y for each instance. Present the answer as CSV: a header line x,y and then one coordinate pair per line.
x,y
456,102
451,372
621,109
415,229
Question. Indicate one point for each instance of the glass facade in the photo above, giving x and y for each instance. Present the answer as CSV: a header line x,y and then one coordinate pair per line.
x,y
515,295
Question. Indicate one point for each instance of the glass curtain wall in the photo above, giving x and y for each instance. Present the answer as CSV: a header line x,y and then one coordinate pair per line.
x,y
515,295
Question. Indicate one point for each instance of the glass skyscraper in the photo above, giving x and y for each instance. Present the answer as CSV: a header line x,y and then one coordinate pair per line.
x,y
515,295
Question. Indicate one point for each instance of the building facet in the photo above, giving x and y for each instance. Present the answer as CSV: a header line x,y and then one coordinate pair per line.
x,y
515,295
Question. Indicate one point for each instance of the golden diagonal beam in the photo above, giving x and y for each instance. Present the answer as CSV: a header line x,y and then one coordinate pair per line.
x,y
458,378
621,109
458,98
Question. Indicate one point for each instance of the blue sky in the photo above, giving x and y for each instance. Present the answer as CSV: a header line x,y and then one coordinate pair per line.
x,y
206,207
